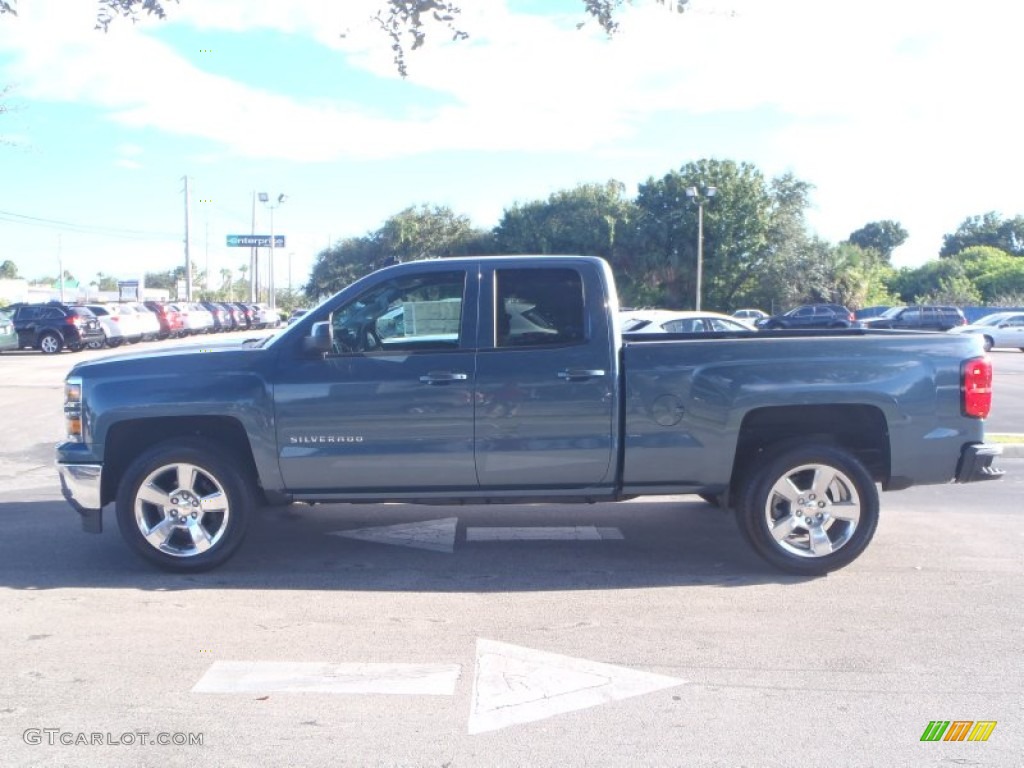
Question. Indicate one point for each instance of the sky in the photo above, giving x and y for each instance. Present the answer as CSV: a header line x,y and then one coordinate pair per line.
x,y
891,109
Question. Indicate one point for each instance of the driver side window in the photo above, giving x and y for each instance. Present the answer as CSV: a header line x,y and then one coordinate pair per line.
x,y
406,314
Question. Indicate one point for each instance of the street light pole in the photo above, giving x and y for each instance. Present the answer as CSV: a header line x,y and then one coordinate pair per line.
x,y
265,199
699,197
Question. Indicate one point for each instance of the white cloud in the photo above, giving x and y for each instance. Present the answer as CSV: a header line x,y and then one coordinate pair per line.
x,y
532,83
893,109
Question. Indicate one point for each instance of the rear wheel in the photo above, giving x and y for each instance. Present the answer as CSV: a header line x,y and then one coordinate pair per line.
x,y
184,506
988,344
811,510
50,343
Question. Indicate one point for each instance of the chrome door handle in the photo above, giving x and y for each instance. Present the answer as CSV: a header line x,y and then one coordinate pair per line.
x,y
576,374
442,377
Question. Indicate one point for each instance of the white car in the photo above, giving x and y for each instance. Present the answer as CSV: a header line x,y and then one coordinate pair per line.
x,y
149,323
268,318
672,321
195,318
750,315
1001,329
118,326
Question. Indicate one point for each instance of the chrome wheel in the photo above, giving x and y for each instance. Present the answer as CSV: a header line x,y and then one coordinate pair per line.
x,y
813,510
181,510
808,509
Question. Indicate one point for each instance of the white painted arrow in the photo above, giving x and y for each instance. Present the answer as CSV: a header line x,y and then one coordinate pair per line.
x,y
518,685
313,677
435,535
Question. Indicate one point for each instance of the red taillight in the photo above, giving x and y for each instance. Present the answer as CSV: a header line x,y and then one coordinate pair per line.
x,y
976,386
72,319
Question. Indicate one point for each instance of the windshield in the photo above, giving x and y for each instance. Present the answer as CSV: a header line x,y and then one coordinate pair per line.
x,y
892,312
991,319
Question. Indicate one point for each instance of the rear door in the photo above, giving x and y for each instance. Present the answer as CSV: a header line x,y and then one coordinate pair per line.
x,y
546,377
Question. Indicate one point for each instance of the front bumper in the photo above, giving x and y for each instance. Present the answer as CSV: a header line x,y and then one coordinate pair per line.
x,y
976,463
80,484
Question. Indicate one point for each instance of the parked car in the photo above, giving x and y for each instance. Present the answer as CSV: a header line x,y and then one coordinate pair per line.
x,y
221,316
149,323
195,318
296,315
170,321
8,336
917,318
267,317
249,314
750,315
671,321
52,327
1000,329
811,316
865,312
117,329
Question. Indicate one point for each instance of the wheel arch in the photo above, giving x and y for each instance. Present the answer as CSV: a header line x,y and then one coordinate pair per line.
x,y
126,440
858,428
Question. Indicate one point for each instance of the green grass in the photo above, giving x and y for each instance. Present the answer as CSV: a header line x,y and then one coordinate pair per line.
x,y
1004,438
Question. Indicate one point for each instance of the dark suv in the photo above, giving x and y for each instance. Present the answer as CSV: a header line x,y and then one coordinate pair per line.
x,y
811,316
51,327
919,318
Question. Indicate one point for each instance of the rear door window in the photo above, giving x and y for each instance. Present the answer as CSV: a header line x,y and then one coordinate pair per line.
x,y
538,307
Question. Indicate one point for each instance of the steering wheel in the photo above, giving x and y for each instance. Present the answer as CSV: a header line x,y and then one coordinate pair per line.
x,y
344,342
369,339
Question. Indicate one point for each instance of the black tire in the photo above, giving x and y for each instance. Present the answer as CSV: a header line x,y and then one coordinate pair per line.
x,y
50,343
821,534
988,344
114,343
186,538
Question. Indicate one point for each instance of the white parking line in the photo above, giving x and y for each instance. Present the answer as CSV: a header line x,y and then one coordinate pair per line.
x,y
314,677
544,533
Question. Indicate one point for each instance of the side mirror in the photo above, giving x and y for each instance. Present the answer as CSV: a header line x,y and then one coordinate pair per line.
x,y
319,340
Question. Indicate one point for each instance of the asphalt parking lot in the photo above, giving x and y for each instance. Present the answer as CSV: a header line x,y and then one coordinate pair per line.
x,y
642,633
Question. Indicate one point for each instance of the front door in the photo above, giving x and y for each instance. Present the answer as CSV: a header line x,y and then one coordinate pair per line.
x,y
391,406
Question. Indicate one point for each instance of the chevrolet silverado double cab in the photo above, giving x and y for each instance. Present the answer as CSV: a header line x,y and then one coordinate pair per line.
x,y
499,379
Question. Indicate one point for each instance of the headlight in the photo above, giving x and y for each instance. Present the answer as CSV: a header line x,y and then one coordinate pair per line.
x,y
73,414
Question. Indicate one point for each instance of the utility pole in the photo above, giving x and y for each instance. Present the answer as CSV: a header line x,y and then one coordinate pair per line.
x,y
188,253
60,266
254,283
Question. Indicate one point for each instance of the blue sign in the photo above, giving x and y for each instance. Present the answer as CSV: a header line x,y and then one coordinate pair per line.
x,y
254,241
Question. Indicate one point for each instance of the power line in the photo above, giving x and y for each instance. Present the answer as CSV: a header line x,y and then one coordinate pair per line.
x,y
87,229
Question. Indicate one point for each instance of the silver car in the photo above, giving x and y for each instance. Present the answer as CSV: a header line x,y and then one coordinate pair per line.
x,y
1001,329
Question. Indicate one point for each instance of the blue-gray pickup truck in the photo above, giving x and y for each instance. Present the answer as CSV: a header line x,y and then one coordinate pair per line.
x,y
507,379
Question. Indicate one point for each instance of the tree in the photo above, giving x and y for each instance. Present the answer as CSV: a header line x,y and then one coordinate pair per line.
x,y
104,282
881,236
587,219
988,229
8,270
752,229
423,232
404,22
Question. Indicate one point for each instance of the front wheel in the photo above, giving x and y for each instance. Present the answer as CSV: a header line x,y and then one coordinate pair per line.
x,y
809,511
184,506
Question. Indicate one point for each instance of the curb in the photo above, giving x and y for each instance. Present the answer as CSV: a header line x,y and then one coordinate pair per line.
x,y
1013,447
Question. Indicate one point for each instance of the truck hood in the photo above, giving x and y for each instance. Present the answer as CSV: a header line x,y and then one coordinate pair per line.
x,y
195,356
